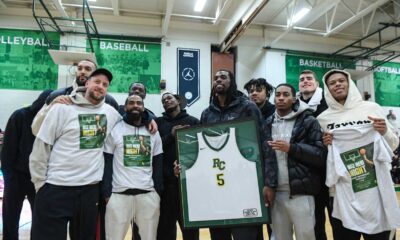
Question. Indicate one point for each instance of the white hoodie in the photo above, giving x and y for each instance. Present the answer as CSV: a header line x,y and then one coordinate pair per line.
x,y
365,200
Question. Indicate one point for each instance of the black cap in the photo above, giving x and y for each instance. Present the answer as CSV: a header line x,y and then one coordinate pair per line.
x,y
182,100
102,71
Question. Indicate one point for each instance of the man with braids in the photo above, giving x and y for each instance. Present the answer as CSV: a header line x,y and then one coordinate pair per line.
x,y
227,103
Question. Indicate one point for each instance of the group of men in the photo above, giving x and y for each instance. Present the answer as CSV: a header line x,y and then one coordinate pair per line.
x,y
89,152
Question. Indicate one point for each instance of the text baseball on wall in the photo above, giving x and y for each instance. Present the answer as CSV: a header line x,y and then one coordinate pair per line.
x,y
296,64
387,84
129,61
189,74
25,62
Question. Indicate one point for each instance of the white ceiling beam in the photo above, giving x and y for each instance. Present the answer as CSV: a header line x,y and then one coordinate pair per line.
x,y
2,4
355,18
60,8
115,6
289,23
347,7
370,22
167,17
332,18
221,10
277,12
317,12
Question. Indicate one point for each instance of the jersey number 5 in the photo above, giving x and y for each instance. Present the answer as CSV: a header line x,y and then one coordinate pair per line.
x,y
220,180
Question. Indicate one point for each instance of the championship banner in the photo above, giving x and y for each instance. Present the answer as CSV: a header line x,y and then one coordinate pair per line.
x,y
221,180
25,62
295,64
129,61
189,74
387,84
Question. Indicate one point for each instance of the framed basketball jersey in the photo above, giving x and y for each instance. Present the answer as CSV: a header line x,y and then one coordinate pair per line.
x,y
221,179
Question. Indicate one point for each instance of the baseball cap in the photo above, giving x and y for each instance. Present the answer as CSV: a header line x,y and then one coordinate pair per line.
x,y
102,71
180,98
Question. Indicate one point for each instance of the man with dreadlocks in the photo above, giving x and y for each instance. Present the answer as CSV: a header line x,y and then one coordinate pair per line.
x,y
227,103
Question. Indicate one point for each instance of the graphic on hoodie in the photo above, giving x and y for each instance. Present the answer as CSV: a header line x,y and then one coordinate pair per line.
x,y
360,166
137,151
93,130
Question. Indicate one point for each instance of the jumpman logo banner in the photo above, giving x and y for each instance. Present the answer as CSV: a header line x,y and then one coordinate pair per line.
x,y
189,74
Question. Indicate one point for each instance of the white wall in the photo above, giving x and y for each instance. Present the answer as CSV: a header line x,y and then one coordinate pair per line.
x,y
252,60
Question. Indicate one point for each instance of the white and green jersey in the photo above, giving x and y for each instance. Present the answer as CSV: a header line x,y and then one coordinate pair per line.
x,y
77,135
228,181
133,149
358,166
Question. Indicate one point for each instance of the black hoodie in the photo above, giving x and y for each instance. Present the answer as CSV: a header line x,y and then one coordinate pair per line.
x,y
165,125
18,137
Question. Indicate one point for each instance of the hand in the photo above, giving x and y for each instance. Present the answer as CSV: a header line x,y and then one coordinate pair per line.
x,y
173,130
379,124
63,99
280,145
177,168
153,127
327,138
269,196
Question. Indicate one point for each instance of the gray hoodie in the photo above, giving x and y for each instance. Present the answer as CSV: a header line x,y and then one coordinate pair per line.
x,y
282,130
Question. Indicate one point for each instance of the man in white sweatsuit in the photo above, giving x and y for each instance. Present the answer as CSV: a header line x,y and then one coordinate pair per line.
x,y
136,175
360,143
67,163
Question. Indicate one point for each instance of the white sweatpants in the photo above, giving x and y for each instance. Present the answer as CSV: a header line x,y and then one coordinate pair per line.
x,y
121,209
297,212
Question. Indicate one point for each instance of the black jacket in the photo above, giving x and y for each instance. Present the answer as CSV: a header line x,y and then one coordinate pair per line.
x,y
68,90
239,107
267,110
165,125
306,156
18,137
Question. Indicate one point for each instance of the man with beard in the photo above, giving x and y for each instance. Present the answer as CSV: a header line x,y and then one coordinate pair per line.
x,y
227,103
135,195
67,163
83,71
17,145
174,117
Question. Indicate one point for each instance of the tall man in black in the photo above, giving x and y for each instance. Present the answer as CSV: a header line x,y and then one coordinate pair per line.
x,y
174,117
312,94
227,103
17,145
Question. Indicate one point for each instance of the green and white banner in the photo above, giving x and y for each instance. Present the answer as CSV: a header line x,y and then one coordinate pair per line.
x,y
387,84
129,61
25,62
295,64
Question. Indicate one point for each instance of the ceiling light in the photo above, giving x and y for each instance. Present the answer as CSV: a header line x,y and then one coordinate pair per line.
x,y
300,14
198,7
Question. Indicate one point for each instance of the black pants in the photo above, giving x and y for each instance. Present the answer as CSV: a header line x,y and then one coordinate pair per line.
x,y
17,185
238,233
321,202
340,232
55,206
170,212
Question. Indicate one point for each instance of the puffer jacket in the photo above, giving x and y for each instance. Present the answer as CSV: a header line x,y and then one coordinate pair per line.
x,y
306,156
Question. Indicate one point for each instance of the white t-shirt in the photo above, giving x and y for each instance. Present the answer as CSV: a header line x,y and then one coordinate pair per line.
x,y
133,149
77,135
358,167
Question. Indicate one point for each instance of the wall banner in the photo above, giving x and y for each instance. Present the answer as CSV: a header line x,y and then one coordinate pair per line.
x,y
387,84
129,61
295,64
25,62
189,74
